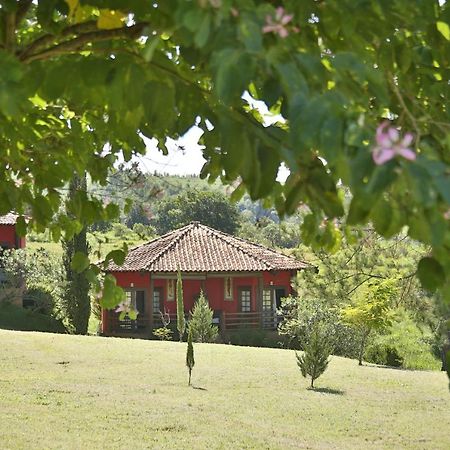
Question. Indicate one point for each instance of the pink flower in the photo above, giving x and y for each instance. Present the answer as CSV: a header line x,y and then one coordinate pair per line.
x,y
390,144
278,26
125,306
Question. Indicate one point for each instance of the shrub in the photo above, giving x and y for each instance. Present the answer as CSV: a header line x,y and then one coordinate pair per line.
x,y
383,353
301,315
404,340
200,325
144,231
120,230
314,360
96,308
163,333
40,300
13,317
370,312
253,338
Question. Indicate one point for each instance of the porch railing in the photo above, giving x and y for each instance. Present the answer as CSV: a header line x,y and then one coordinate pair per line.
x,y
267,320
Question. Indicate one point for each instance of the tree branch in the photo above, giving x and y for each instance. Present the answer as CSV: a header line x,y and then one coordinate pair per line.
x,y
48,39
10,30
406,110
83,39
22,9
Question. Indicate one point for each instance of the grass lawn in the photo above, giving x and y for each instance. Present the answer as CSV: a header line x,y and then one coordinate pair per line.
x,y
61,391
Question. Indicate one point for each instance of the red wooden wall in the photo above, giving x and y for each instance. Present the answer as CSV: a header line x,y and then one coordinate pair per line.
x,y
212,287
9,237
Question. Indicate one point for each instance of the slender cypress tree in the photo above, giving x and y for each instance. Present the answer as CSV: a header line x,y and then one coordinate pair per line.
x,y
181,322
76,301
314,360
190,362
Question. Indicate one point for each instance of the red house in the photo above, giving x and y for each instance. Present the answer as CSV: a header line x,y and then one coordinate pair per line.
x,y
243,282
8,235
8,240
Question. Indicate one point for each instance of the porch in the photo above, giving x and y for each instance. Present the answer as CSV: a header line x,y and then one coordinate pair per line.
x,y
226,321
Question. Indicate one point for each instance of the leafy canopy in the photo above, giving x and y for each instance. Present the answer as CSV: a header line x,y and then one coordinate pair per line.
x,y
82,81
210,208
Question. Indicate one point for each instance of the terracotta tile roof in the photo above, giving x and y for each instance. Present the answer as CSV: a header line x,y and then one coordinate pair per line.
x,y
198,248
9,219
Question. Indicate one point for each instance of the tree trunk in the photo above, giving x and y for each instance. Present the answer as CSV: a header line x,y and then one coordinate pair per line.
x,y
77,304
362,348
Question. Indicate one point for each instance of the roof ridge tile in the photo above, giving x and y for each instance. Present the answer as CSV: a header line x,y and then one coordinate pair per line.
x,y
219,233
180,232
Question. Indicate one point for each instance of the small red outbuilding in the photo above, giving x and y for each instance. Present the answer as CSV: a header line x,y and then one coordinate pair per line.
x,y
9,239
243,282
8,235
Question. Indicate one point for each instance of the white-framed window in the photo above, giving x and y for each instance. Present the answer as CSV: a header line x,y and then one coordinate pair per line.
x,y
228,288
267,300
245,299
136,299
157,300
170,290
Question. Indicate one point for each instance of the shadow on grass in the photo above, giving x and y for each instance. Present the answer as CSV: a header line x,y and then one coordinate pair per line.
x,y
327,391
199,388
382,366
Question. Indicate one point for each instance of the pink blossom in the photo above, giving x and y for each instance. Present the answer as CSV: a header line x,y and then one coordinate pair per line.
x,y
447,215
278,26
124,306
390,144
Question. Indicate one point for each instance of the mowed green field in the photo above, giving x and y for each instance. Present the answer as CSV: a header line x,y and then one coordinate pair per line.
x,y
74,392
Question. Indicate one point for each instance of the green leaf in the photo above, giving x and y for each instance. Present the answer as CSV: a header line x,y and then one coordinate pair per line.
x,y
359,211
80,262
250,33
381,216
118,256
21,226
442,184
331,139
132,314
431,273
202,35
112,294
382,177
233,71
444,29
193,19
159,104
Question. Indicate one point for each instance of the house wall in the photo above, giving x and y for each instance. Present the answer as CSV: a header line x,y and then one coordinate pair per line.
x,y
132,279
282,278
8,236
212,286
9,239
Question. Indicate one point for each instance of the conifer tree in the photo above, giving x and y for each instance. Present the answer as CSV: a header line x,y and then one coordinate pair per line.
x,y
76,302
190,362
200,325
314,360
181,323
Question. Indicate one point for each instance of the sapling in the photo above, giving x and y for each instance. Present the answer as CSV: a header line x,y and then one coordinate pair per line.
x,y
200,324
314,360
190,362
181,322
